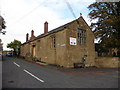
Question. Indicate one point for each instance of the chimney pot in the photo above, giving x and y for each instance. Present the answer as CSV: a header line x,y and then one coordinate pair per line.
x,y
80,14
45,27
27,36
32,34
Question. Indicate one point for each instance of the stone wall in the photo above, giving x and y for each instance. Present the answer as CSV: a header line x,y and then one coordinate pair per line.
x,y
107,62
75,54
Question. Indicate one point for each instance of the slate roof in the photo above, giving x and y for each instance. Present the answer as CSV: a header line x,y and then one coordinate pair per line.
x,y
50,32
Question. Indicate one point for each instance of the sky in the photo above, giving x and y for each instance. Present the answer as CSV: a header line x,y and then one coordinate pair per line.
x,y
22,16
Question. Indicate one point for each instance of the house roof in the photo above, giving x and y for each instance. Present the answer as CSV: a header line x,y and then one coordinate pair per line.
x,y
50,32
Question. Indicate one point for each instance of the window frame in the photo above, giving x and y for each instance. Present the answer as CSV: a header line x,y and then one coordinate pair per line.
x,y
81,35
53,41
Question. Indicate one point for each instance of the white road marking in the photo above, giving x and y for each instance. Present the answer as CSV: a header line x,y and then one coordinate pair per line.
x,y
33,75
16,64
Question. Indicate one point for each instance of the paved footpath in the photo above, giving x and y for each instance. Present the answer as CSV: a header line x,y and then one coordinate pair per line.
x,y
18,73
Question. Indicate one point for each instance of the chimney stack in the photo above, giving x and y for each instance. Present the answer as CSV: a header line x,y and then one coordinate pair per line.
x,y
45,27
27,36
32,35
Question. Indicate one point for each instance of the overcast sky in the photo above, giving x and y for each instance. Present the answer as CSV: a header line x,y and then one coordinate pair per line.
x,y
22,16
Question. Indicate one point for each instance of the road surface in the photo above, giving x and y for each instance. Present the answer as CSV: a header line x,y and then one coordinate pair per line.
x,y
18,73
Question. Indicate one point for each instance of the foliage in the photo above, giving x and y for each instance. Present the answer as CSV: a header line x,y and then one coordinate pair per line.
x,y
106,27
15,45
2,22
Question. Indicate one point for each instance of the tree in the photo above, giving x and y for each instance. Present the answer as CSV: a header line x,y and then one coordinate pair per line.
x,y
2,23
15,45
106,27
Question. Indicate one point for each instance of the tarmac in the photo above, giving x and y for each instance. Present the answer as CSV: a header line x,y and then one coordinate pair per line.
x,y
91,70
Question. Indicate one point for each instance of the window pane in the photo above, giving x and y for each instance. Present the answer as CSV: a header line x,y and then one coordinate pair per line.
x,y
81,36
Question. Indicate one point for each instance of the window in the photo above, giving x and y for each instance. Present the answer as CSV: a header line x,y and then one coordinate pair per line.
x,y
53,41
38,45
81,36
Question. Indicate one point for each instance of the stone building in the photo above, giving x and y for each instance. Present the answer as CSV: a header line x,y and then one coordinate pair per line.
x,y
67,45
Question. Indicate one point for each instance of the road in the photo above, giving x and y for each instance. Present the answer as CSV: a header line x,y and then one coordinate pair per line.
x,y
0,73
18,73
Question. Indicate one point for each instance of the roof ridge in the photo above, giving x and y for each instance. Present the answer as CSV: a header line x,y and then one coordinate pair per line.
x,y
52,31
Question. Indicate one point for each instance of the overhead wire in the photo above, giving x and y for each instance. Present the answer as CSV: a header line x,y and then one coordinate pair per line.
x,y
25,15
71,10
34,9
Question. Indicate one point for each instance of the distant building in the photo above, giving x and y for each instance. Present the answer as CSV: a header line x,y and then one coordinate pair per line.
x,y
64,46
7,51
